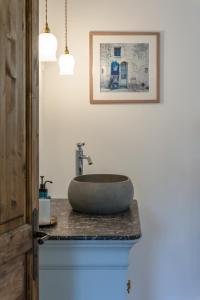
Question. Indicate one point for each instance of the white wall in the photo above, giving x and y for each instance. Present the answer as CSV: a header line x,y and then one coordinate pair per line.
x,y
157,145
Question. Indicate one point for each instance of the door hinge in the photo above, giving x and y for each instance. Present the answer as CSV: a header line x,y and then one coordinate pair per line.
x,y
39,237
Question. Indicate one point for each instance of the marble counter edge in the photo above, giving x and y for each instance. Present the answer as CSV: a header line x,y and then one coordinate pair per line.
x,y
135,222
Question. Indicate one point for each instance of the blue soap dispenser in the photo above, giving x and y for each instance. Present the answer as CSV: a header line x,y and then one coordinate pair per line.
x,y
44,203
43,191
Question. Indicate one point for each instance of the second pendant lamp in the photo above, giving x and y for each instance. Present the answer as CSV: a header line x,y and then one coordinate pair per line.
x,y
66,60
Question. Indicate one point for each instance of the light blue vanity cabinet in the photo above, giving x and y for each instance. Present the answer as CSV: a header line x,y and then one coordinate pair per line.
x,y
84,270
86,257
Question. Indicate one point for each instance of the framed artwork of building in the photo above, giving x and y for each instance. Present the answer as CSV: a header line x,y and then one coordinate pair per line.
x,y
124,67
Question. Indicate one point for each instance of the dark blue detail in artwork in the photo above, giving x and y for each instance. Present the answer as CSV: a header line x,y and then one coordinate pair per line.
x,y
114,79
114,68
117,51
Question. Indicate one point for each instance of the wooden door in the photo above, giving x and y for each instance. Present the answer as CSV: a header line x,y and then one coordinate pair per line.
x,y
18,146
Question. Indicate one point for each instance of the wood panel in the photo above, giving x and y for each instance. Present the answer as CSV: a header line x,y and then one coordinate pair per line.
x,y
12,283
12,111
11,243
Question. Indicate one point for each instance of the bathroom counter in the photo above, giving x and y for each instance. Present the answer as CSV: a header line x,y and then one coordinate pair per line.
x,y
72,225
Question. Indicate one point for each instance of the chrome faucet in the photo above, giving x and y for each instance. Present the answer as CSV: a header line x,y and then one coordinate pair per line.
x,y
80,156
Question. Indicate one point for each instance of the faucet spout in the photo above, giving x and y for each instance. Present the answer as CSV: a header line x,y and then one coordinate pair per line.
x,y
90,162
80,156
88,158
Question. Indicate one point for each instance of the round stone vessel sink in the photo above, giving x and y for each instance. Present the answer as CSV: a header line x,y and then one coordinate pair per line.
x,y
100,193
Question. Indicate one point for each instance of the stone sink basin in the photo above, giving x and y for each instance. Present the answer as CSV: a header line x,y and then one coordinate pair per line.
x,y
100,193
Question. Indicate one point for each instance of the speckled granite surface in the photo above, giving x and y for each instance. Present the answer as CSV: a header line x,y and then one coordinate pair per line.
x,y
76,226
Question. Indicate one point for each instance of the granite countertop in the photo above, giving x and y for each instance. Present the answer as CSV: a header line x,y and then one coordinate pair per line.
x,y
72,225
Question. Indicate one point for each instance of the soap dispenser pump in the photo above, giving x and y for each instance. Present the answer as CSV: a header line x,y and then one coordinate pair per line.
x,y
43,191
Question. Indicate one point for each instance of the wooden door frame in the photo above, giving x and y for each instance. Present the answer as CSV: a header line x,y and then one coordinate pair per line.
x,y
32,125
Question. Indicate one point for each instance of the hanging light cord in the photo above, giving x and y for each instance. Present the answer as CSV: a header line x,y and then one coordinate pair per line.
x,y
46,28
66,48
46,12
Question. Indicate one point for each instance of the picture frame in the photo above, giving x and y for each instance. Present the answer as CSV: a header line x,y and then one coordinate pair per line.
x,y
124,67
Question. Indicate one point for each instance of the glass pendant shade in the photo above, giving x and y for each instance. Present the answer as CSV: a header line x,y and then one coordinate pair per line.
x,y
47,47
66,64
66,60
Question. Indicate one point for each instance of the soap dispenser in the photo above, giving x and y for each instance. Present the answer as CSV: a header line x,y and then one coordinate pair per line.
x,y
44,203
43,191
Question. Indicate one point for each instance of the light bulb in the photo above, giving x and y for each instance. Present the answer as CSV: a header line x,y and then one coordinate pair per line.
x,y
66,64
47,47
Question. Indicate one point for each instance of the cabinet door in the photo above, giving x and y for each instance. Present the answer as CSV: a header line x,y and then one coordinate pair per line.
x,y
84,270
83,284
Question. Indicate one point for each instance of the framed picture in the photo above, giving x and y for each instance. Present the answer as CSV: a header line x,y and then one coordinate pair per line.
x,y
124,67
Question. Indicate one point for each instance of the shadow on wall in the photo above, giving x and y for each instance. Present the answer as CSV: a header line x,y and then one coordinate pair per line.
x,y
144,257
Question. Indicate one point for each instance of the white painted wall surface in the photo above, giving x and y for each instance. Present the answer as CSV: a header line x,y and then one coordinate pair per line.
x,y
157,145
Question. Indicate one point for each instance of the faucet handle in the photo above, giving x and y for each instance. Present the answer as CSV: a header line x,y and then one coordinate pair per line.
x,y
80,144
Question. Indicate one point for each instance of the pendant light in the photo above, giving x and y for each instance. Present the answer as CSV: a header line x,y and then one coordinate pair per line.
x,y
47,42
66,60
